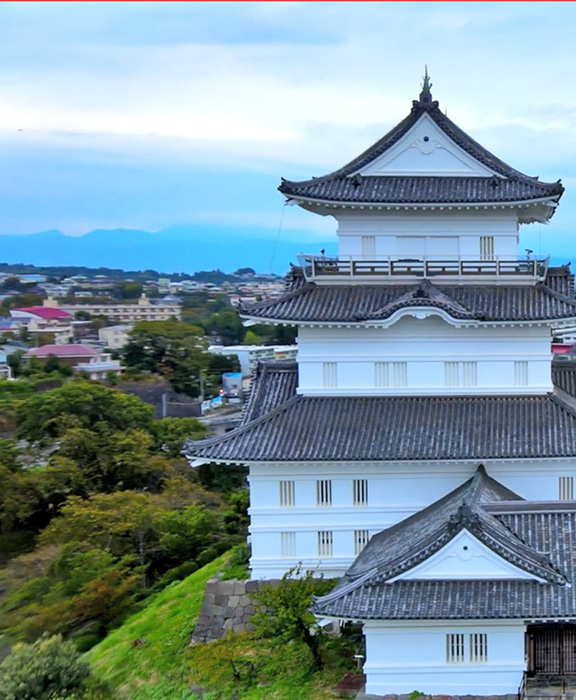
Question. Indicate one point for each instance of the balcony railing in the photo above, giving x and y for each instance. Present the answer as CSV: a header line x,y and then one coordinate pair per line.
x,y
321,267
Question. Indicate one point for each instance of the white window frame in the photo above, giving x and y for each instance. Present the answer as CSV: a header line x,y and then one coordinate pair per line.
x,y
390,374
460,373
478,648
287,493
360,492
330,374
325,543
520,373
324,492
361,538
565,488
486,244
455,648
287,544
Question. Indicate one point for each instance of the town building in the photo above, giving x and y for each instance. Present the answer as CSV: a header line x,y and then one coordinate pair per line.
x,y
44,320
114,337
419,449
250,355
143,310
82,358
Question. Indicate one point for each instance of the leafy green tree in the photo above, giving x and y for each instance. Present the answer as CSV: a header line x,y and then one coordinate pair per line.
x,y
80,404
48,669
130,290
172,349
15,361
227,325
252,338
170,434
284,613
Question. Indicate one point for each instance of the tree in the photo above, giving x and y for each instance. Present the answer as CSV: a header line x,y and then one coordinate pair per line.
x,y
252,338
47,669
80,404
173,349
130,290
284,613
227,325
170,434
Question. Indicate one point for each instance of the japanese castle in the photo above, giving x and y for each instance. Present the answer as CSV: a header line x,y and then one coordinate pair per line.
x,y
419,450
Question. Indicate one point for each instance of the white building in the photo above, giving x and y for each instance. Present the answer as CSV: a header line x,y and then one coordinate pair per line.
x,y
115,337
419,449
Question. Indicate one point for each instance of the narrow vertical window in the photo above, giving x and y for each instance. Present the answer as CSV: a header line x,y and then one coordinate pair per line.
x,y
399,374
566,488
478,648
461,374
360,492
469,373
455,648
288,544
369,246
324,492
451,374
330,374
287,493
325,544
382,374
361,538
521,373
486,247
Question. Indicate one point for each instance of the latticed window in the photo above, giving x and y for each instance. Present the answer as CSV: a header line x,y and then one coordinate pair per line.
x,y
455,648
521,373
287,493
360,492
461,373
566,488
361,538
330,374
288,544
324,492
486,247
325,543
478,648
390,374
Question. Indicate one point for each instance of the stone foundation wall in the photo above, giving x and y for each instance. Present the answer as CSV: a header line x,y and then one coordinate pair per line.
x,y
227,607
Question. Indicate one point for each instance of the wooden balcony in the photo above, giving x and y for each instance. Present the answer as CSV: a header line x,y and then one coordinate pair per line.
x,y
321,268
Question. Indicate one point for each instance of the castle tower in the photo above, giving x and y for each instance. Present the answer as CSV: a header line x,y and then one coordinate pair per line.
x,y
420,425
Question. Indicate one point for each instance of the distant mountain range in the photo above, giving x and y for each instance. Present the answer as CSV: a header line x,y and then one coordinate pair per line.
x,y
177,249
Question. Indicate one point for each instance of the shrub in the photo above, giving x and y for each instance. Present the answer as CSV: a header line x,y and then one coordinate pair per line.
x,y
45,670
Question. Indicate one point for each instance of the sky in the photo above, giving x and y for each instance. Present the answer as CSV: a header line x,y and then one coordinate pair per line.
x,y
152,115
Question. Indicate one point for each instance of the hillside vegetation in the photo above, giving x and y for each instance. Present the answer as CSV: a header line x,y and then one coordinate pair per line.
x,y
150,658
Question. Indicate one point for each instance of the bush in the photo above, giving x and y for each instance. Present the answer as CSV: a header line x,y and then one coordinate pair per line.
x,y
45,670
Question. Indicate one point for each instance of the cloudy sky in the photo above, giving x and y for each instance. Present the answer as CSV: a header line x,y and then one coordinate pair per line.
x,y
151,115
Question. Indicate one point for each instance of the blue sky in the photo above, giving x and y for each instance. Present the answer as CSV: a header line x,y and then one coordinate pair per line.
x,y
150,115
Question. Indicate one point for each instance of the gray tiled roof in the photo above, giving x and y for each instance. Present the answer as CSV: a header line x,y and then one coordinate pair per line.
x,y
382,428
542,536
340,186
354,303
273,384
564,377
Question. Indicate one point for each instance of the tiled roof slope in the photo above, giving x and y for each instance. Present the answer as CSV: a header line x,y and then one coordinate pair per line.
x,y
355,303
537,539
564,377
383,428
341,185
273,384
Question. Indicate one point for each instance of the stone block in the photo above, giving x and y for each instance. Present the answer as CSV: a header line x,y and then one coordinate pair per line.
x,y
228,624
239,628
212,585
217,622
252,586
249,627
203,619
239,587
233,601
249,610
212,610
225,588
209,598
230,613
221,599
244,600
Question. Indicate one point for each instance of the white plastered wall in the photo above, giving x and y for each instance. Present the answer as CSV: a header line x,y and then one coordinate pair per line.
x,y
425,345
395,491
405,656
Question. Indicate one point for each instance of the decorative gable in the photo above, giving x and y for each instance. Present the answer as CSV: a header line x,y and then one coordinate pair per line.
x,y
465,558
425,150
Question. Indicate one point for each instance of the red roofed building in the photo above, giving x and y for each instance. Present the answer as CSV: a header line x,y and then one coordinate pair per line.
x,y
46,313
71,355
44,319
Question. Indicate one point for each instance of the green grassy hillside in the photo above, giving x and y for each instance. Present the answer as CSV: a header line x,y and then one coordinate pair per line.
x,y
149,657
143,658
